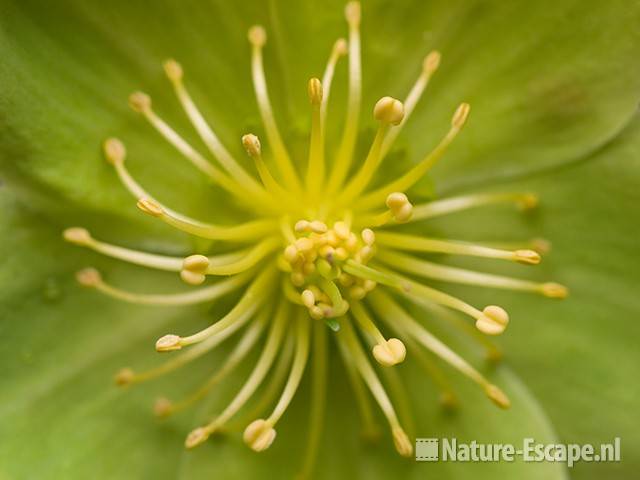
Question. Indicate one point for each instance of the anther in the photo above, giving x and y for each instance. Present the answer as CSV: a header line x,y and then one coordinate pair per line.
x,y
528,257
302,226
315,91
368,237
252,145
389,110
114,151
402,443
493,321
194,269
460,115
196,437
352,13
318,227
173,70
497,396
124,377
150,207
291,253
554,290
89,277
341,47
431,62
257,36
400,207
259,435
162,407
392,352
308,298
140,102
77,236
168,343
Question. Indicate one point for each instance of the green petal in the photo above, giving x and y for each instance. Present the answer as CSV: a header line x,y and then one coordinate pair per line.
x,y
579,355
548,81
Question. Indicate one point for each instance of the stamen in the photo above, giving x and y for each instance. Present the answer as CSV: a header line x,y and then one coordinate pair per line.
x,y
164,407
402,443
340,48
386,352
256,377
429,66
344,156
492,320
196,267
525,201
258,37
388,111
91,278
141,103
175,74
169,343
406,181
252,299
315,169
419,244
252,145
259,434
427,269
394,314
244,232
82,237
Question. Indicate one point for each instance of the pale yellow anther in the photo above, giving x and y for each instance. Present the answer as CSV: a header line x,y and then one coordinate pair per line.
x,y
341,47
257,36
528,257
192,278
302,226
140,102
346,280
162,407
304,244
309,268
396,200
431,62
392,352
77,236
341,254
150,207
168,343
316,312
89,277
357,292
196,437
368,236
251,144
493,320
404,213
402,443
554,290
326,251
369,285
297,278
341,230
308,298
389,110
351,243
460,115
318,227
315,91
196,263
259,435
497,396
352,13
124,377
366,253
291,253
529,201
114,151
173,70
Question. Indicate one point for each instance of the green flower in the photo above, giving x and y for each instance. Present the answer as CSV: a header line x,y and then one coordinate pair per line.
x,y
303,252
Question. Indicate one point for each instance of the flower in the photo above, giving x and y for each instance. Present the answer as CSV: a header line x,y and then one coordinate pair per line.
x,y
553,112
317,249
